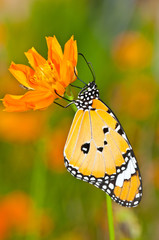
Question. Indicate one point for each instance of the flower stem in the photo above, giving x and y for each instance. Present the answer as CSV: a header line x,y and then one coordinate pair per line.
x,y
70,97
38,184
110,217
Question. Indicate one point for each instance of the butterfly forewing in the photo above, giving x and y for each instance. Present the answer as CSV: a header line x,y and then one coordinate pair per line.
x,y
98,151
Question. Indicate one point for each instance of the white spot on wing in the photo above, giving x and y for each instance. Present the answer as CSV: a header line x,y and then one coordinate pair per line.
x,y
120,179
111,114
134,162
111,186
136,202
85,178
124,136
138,195
108,191
129,171
125,174
92,179
73,172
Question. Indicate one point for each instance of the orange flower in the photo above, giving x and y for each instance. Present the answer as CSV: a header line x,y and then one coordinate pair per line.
x,y
44,78
21,127
154,173
131,50
55,154
16,211
19,214
137,96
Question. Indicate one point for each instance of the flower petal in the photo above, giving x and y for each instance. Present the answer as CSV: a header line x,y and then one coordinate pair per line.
x,y
59,88
22,73
30,100
67,73
13,103
34,58
70,51
55,54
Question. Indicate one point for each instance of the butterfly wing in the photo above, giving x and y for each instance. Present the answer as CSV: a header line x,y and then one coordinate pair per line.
x,y
98,151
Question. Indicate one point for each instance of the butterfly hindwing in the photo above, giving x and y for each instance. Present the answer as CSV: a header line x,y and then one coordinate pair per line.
x,y
98,151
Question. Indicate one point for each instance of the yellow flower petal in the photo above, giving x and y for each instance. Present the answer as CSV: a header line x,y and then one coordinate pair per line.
x,y
70,51
22,73
67,73
34,58
55,54
30,100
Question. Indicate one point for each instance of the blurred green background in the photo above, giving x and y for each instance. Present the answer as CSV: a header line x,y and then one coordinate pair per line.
x,y
39,199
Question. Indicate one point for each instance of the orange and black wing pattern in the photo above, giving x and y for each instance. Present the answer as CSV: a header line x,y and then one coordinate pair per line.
x,y
97,150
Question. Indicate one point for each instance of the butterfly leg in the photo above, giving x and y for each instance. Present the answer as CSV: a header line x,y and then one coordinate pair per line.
x,y
62,105
62,97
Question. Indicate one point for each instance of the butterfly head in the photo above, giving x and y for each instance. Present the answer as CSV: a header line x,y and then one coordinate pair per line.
x,y
86,96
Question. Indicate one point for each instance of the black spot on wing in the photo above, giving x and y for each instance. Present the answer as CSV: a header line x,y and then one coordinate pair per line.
x,y
100,149
85,148
105,130
105,142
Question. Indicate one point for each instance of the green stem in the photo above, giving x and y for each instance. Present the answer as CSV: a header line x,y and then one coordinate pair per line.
x,y
38,183
110,217
70,97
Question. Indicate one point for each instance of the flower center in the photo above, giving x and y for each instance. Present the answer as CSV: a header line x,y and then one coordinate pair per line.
x,y
47,77
47,74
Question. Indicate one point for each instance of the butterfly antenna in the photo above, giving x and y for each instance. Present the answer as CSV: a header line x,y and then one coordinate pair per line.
x,y
90,67
93,72
78,77
75,86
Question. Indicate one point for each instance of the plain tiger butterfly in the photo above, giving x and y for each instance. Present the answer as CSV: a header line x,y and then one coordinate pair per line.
x,y
98,151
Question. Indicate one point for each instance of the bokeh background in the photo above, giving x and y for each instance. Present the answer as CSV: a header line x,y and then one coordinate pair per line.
x,y
39,199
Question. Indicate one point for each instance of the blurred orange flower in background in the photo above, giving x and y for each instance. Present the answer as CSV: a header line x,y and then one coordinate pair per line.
x,y
2,34
137,96
132,50
157,134
75,234
46,77
3,51
55,151
21,127
18,214
153,173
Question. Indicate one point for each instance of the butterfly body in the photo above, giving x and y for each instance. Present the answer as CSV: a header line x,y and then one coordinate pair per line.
x,y
97,150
